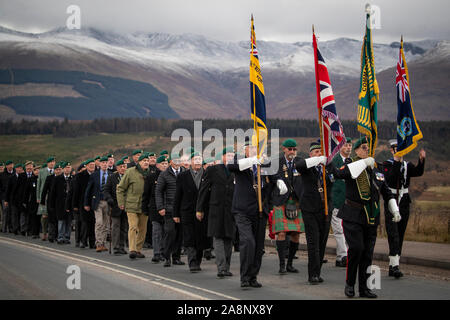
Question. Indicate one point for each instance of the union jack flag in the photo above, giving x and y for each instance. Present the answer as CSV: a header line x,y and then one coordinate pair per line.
x,y
333,132
400,79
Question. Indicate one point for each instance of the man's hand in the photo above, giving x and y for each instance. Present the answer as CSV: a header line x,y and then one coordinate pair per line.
x,y
87,208
176,219
422,155
38,201
162,212
6,204
199,215
75,209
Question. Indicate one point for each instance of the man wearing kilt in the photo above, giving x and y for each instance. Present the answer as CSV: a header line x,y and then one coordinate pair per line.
x,y
287,218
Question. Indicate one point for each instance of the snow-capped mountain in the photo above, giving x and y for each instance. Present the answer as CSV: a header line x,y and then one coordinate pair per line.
x,y
205,78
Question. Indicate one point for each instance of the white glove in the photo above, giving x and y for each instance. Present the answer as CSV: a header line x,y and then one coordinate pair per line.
x,y
282,186
357,167
247,163
315,161
370,162
393,208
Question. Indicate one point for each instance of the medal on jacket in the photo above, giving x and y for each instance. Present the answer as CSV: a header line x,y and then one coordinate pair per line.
x,y
285,171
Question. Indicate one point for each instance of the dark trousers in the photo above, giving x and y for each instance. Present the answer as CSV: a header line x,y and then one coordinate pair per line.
x,y
194,256
88,228
35,220
317,227
78,226
6,219
119,231
396,230
15,218
24,221
361,242
149,234
251,230
171,239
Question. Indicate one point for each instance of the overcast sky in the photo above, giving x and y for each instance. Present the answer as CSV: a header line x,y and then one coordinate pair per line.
x,y
278,20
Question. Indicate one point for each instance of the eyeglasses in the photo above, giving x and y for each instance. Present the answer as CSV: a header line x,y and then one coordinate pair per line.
x,y
292,149
364,147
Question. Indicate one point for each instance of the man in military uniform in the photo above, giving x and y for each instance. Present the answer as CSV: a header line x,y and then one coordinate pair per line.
x,y
4,178
287,219
47,199
14,198
43,174
312,204
398,174
360,214
135,155
151,173
250,222
338,193
111,165
59,194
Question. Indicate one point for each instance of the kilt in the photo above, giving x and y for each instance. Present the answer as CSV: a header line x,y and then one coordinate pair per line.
x,y
282,224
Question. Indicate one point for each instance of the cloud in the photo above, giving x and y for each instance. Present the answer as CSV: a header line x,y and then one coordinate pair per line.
x,y
280,20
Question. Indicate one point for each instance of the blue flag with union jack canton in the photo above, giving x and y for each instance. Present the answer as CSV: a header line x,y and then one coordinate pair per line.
x,y
333,132
408,131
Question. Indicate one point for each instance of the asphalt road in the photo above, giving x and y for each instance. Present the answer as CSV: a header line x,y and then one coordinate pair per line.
x,y
33,269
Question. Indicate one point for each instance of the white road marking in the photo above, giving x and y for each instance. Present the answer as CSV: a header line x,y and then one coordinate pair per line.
x,y
73,256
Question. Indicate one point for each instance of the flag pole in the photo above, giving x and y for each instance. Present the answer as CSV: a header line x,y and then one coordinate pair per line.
x,y
319,109
255,127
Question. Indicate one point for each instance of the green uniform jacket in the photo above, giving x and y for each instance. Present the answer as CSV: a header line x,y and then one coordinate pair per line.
x,y
43,174
130,190
338,190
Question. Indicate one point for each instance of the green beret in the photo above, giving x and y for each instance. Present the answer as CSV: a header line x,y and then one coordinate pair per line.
x,y
227,150
65,164
120,162
208,160
44,165
218,156
152,154
289,143
194,154
174,156
163,152
97,158
135,152
348,140
161,159
102,159
1,164
314,145
360,141
110,155
124,157
8,162
88,161
58,165
19,165
50,159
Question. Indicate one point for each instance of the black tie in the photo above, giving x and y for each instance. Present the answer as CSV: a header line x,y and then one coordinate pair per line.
x,y
347,160
290,166
103,181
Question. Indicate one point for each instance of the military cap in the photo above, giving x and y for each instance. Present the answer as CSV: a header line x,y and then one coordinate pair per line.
x,y
58,165
142,157
218,156
8,162
97,158
88,161
194,154
393,143
174,156
103,159
29,162
120,162
135,152
360,141
314,145
36,167
110,155
161,159
1,164
44,165
152,154
348,140
19,165
65,164
124,157
50,159
289,143
163,152
208,160
227,150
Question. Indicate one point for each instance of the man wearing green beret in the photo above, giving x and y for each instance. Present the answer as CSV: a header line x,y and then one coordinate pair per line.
x,y
129,198
164,153
111,165
97,162
338,193
287,218
4,178
162,163
13,199
43,212
135,156
151,173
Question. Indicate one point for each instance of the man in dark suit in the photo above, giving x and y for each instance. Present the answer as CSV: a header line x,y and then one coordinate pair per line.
x,y
14,198
250,223
47,199
87,217
165,198
111,166
25,212
95,201
4,178
151,173
119,217
31,205
59,193
312,204
214,203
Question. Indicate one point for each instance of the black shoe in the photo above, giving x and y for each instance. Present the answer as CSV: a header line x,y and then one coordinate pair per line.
x,y
255,284
66,241
290,268
139,255
349,291
155,259
77,245
314,280
194,269
395,272
295,257
51,240
367,293
122,251
282,270
342,262
324,260
208,255
178,262
117,252
82,246
320,279
133,255
227,274
167,263
221,275
245,284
